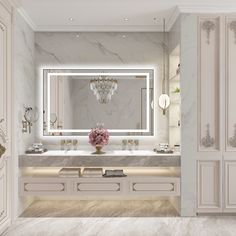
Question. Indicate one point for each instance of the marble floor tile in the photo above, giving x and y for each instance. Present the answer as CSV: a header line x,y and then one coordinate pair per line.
x,y
128,208
124,226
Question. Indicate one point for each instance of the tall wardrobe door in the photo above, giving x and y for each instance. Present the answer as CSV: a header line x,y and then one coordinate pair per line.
x,y
209,84
230,84
5,115
230,116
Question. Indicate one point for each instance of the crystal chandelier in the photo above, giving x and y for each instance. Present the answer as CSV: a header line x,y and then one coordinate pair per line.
x,y
103,88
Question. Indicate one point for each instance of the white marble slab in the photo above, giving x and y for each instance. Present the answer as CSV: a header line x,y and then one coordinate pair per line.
x,y
124,226
58,158
102,50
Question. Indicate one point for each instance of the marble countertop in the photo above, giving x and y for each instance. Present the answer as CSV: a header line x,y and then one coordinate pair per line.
x,y
119,158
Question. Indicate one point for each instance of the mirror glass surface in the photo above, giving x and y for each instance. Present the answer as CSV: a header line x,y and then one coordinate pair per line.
x,y
77,100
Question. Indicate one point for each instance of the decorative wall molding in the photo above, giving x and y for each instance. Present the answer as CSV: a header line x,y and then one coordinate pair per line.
x,y
208,141
230,35
209,186
232,27
208,26
2,26
208,83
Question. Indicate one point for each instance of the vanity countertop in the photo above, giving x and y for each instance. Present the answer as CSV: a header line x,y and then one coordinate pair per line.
x,y
117,158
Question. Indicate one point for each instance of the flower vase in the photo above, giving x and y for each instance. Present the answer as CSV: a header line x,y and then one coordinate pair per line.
x,y
98,149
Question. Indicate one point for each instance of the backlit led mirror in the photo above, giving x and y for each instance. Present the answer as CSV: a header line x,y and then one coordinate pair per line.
x,y
76,100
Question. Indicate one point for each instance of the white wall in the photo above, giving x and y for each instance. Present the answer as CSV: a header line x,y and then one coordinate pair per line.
x,y
24,88
102,49
188,85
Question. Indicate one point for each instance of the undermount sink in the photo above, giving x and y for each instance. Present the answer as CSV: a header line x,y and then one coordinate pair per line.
x,y
133,152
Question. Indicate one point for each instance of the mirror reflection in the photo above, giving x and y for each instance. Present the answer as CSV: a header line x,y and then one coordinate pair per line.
x,y
76,101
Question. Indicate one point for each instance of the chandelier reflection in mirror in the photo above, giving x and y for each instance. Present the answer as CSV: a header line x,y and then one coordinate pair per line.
x,y
103,88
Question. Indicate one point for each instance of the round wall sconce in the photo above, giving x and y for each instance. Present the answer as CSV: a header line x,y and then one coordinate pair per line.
x,y
164,102
164,99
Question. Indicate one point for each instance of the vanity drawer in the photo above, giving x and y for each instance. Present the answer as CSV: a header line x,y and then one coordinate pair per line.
x,y
155,186
43,186
98,186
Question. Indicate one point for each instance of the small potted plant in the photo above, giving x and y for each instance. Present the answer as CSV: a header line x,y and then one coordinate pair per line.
x,y
98,137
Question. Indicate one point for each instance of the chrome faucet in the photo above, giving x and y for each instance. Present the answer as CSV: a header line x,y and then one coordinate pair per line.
x,y
75,144
63,142
130,144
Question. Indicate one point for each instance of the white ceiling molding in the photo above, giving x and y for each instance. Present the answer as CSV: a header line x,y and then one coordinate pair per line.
x,y
170,20
99,28
173,17
207,8
26,17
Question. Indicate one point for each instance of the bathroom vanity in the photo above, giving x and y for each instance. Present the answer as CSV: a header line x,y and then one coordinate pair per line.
x,y
124,101
148,174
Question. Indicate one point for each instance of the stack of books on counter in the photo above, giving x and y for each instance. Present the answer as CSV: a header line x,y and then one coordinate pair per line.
x,y
70,172
92,172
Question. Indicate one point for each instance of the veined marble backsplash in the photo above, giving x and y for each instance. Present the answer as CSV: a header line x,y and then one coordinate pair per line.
x,y
24,92
100,50
24,79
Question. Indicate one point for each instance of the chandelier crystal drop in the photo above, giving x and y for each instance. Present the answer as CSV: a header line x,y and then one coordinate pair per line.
x,y
103,88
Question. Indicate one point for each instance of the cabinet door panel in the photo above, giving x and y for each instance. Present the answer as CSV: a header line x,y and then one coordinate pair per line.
x,y
209,84
230,190
209,190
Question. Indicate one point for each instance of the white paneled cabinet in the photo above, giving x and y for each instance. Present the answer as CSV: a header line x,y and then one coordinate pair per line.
x,y
209,186
5,113
129,186
216,157
230,186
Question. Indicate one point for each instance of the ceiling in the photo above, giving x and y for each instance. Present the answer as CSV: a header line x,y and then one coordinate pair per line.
x,y
112,15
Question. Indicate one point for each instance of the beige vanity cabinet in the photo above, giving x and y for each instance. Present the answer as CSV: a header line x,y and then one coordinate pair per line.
x,y
216,156
5,113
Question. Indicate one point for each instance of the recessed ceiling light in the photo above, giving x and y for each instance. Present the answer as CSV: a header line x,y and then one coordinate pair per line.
x,y
71,19
123,36
77,36
126,19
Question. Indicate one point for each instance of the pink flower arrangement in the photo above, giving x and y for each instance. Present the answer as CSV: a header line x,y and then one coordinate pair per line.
x,y
98,136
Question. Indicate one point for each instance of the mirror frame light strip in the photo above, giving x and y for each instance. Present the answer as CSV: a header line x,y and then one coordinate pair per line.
x,y
49,74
